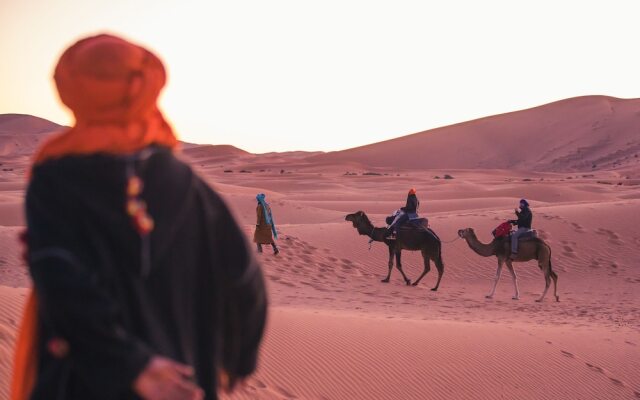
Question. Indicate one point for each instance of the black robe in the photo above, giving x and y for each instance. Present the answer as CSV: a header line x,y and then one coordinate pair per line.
x,y
202,301
412,204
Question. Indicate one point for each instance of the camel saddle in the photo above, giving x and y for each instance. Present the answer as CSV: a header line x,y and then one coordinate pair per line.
x,y
418,223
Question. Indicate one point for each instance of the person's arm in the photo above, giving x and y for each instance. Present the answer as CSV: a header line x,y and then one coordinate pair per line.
x,y
244,300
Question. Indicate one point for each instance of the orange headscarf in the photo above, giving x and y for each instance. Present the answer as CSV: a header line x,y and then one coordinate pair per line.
x,y
112,87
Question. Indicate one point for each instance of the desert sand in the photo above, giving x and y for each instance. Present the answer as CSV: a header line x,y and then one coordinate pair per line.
x,y
336,332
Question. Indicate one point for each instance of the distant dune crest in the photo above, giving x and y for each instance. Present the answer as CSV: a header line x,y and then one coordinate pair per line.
x,y
578,134
21,134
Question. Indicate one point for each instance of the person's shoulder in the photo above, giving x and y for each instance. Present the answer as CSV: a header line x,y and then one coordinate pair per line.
x,y
58,172
88,171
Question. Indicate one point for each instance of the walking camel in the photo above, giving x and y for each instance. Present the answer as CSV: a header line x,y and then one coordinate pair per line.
x,y
413,239
528,249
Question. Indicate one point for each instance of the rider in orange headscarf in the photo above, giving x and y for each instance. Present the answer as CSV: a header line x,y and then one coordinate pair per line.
x,y
408,212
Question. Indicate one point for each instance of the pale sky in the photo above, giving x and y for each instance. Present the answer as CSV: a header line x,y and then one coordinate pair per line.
x,y
283,75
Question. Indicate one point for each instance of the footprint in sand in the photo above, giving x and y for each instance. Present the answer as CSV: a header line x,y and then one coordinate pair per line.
x,y
285,392
613,237
566,353
578,228
595,368
569,252
616,381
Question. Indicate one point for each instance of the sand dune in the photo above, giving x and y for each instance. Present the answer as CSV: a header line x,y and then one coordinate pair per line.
x,y
212,152
336,332
20,134
579,134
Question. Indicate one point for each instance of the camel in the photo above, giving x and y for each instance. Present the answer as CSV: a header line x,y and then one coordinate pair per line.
x,y
528,249
407,239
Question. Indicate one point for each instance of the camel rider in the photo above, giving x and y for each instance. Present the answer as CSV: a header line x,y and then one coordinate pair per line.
x,y
409,212
524,225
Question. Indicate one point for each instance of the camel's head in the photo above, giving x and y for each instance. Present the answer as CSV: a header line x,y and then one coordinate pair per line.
x,y
356,218
465,233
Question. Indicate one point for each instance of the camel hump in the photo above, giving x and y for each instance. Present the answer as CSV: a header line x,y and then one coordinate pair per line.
x,y
419,224
532,234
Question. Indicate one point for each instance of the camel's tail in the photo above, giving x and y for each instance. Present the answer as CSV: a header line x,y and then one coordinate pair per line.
x,y
554,276
438,261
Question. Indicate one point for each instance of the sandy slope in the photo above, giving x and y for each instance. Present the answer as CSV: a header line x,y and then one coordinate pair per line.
x,y
336,332
20,134
325,355
572,134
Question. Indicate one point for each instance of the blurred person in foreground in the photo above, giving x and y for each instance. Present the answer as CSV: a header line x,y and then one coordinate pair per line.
x,y
144,285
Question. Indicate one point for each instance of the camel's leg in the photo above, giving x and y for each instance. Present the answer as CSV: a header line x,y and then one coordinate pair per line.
x,y
427,267
547,279
440,268
497,278
554,276
515,280
385,280
399,266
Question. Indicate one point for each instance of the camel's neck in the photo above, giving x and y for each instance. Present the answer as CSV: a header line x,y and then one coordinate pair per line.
x,y
377,234
485,250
